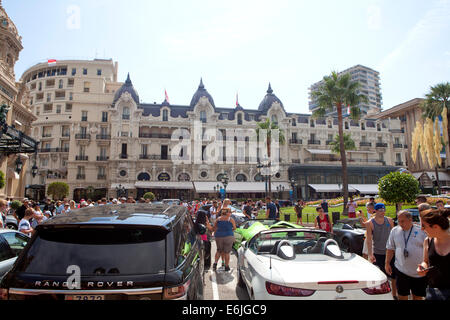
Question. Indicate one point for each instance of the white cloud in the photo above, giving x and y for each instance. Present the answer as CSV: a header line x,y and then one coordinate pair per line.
x,y
374,17
430,26
241,23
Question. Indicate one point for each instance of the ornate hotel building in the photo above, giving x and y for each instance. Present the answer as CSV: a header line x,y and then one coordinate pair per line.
x,y
97,136
71,100
14,142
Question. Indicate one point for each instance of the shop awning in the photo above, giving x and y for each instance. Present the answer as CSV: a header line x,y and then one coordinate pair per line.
x,y
319,151
185,185
15,141
366,188
443,176
125,185
330,188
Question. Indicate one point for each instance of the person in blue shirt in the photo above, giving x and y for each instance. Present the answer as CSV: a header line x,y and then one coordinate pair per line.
x,y
324,205
271,209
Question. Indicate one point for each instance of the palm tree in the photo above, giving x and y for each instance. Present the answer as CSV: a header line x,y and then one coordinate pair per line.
x,y
436,100
339,91
349,144
269,126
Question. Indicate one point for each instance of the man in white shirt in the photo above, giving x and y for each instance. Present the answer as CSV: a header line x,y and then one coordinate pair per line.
x,y
406,244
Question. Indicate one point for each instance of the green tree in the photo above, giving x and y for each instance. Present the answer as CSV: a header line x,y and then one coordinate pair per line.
x,y
16,204
269,127
349,144
58,190
149,195
337,92
2,179
397,187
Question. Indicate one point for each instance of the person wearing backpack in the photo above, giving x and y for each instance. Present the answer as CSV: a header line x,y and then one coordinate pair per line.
x,y
322,221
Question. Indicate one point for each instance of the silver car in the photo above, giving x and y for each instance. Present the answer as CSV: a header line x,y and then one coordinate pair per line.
x,y
11,244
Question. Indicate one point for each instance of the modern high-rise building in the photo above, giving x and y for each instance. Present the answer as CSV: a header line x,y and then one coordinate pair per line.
x,y
370,87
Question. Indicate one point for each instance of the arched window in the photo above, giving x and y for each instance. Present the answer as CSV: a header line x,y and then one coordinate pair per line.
x,y
220,176
165,115
259,178
184,177
126,113
144,176
241,177
164,177
239,119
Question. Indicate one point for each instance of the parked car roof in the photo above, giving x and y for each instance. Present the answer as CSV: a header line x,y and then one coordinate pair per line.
x,y
161,215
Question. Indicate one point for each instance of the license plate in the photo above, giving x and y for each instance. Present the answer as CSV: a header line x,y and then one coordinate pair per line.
x,y
85,297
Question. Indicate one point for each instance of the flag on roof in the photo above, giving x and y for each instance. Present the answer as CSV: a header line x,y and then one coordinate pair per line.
x,y
167,97
51,62
237,100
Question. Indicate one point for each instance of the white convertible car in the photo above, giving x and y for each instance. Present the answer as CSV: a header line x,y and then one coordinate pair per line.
x,y
306,264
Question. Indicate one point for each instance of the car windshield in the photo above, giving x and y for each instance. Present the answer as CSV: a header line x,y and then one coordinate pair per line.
x,y
304,242
97,251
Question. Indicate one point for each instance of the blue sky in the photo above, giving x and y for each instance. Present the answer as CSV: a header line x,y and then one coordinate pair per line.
x,y
239,46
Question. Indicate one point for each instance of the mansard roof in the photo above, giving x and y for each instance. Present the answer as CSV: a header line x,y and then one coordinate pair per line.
x,y
127,87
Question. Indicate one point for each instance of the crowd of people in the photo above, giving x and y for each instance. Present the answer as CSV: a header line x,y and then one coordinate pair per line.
x,y
416,258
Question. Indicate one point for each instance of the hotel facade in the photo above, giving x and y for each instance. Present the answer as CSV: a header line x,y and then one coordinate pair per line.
x,y
98,137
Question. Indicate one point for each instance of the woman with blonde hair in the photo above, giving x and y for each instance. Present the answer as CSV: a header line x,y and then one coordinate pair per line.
x,y
224,235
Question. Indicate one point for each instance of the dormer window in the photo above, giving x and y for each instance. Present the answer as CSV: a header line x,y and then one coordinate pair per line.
x,y
239,119
294,122
274,119
203,116
165,115
126,113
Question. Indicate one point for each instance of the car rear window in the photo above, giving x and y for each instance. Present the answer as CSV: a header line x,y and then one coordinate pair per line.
x,y
96,251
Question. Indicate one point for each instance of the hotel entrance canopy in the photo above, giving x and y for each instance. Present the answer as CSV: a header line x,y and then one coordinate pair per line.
x,y
14,141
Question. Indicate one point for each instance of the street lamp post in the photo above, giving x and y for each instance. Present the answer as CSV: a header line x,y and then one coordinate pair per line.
x,y
265,176
294,190
120,191
225,180
280,189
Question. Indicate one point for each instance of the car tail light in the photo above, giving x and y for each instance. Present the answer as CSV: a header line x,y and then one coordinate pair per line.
x,y
176,292
382,289
278,290
3,294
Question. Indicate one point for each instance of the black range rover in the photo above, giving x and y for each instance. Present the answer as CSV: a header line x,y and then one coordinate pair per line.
x,y
113,252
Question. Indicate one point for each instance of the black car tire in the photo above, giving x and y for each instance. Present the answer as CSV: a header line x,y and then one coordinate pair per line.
x,y
200,288
240,282
346,245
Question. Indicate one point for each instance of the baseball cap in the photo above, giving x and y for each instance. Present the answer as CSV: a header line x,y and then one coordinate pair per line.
x,y
379,206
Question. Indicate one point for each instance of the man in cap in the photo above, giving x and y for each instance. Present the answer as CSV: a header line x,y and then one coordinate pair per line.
x,y
378,230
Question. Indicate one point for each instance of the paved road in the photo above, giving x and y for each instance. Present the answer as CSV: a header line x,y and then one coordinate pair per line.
x,y
222,285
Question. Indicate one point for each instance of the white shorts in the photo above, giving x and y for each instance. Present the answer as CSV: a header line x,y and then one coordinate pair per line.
x,y
365,249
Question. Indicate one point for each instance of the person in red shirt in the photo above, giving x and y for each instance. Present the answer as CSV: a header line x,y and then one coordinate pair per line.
x,y
322,221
